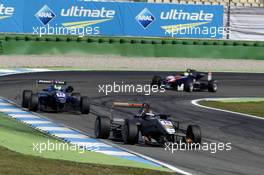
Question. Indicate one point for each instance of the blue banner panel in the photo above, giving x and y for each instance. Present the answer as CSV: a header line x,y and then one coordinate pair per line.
x,y
11,16
74,17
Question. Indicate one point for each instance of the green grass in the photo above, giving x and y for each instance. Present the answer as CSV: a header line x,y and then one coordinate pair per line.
x,y
12,163
129,47
252,108
20,158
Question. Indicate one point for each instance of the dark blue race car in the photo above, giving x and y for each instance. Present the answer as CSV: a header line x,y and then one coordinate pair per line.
x,y
57,97
189,81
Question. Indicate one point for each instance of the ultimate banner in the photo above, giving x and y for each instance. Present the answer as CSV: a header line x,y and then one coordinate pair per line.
x,y
75,17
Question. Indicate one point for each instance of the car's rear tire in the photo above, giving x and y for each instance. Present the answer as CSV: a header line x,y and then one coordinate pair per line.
x,y
194,134
26,95
130,132
212,86
188,86
33,103
102,127
156,80
85,105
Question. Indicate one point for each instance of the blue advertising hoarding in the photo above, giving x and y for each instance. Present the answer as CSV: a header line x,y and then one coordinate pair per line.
x,y
111,18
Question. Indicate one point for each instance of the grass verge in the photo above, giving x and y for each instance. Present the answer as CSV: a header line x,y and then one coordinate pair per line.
x,y
18,157
130,47
253,108
12,163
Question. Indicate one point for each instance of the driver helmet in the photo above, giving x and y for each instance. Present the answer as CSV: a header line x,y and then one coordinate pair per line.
x,y
185,73
150,112
146,110
57,87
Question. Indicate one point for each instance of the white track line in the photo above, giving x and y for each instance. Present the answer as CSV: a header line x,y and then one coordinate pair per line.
x,y
45,128
36,122
10,110
91,144
116,153
5,104
24,116
196,103
76,136
9,71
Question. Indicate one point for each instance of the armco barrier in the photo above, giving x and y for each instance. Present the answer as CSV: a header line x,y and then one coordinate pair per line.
x,y
76,17
148,47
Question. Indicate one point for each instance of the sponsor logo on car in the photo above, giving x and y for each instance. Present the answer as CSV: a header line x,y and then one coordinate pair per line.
x,y
45,15
6,12
145,18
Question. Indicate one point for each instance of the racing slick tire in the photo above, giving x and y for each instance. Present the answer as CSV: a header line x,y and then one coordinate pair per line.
x,y
212,86
188,86
102,127
26,98
193,134
85,105
130,132
33,103
156,80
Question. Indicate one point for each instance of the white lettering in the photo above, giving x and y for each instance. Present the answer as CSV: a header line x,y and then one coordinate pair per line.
x,y
82,12
181,15
9,11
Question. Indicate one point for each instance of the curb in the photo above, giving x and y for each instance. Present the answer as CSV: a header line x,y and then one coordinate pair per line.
x,y
196,103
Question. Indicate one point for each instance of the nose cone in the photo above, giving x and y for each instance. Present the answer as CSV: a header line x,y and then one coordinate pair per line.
x,y
62,100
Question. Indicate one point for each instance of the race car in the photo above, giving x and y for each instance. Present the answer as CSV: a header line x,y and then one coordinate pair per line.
x,y
56,97
144,127
189,81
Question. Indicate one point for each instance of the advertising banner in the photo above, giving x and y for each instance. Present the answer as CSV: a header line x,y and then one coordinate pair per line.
x,y
82,18
247,23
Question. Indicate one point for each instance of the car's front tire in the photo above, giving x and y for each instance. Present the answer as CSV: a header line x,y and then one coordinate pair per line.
x,y
34,103
212,86
130,132
188,86
26,95
85,105
194,134
102,127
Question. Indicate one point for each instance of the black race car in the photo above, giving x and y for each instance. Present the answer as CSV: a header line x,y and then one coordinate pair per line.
x,y
189,81
145,127
56,97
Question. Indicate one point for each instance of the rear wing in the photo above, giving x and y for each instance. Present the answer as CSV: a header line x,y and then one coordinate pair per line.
x,y
199,75
208,75
53,82
128,105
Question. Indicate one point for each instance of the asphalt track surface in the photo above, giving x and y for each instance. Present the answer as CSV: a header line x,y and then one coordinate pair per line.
x,y
245,134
